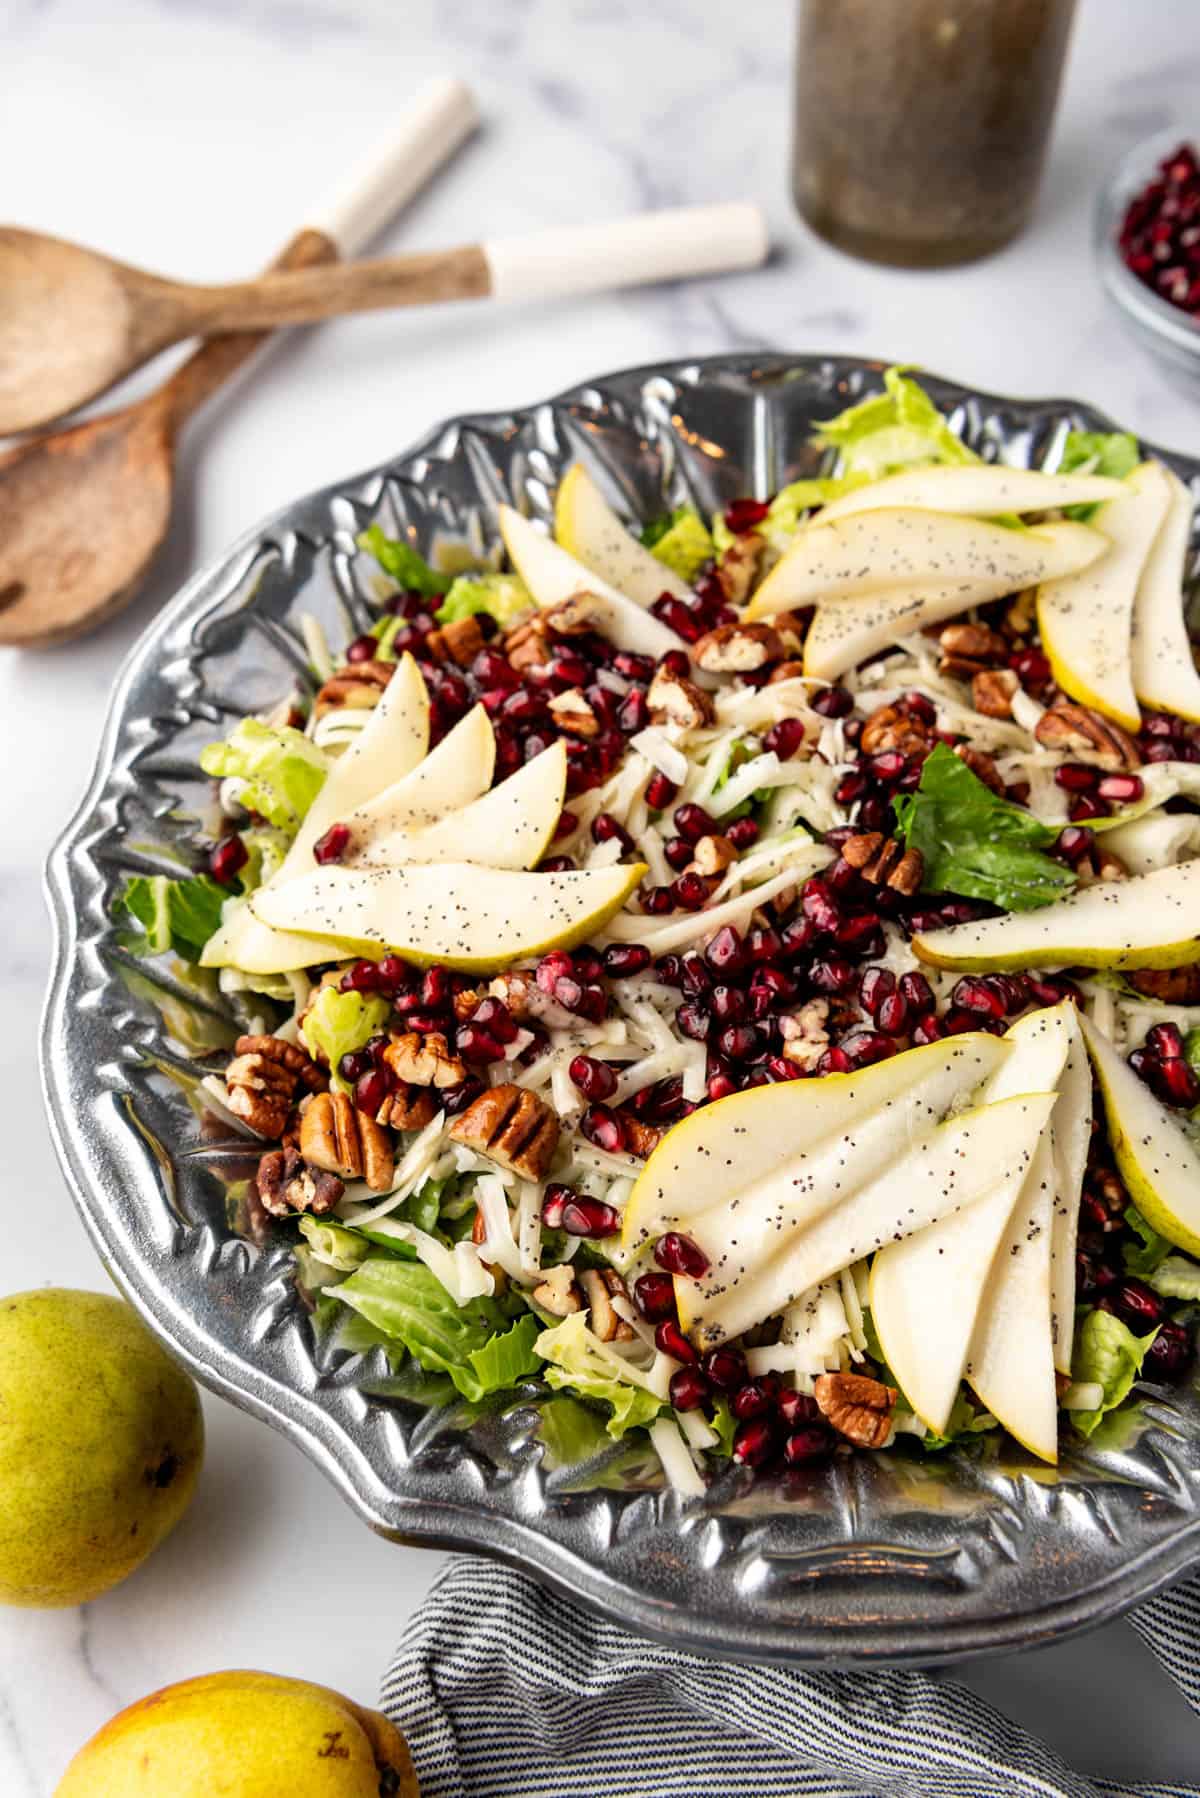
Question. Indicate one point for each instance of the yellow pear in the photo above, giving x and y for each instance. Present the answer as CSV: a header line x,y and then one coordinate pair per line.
x,y
243,1735
101,1440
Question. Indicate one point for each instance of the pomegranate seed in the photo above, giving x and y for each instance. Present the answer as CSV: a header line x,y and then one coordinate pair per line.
x,y
678,617
692,1022
926,1030
1075,777
763,946
436,991
1169,1353
750,1400
633,713
725,951
555,1202
1165,1041
688,1389
892,1016
798,937
1084,806
354,1064
373,1088
785,738
584,1216
876,985
834,1061
693,822
859,932
770,988
729,1004
595,1079
797,1408
918,706
660,792
832,702
423,1022
740,1042
633,667
742,833
744,514
1137,1305
867,1046
691,891
1015,991
363,977
333,845
457,1098
1030,667
607,829
670,1339
656,900
720,1086
1121,789
225,858
604,1128
874,814
916,992
1074,843
832,974
654,1295
552,968
678,852
1046,989
1177,1084
888,765
622,960
363,649
819,905
725,1368
958,1020
851,787
808,1446
678,1254
568,823
975,993
754,1442
694,976
477,1045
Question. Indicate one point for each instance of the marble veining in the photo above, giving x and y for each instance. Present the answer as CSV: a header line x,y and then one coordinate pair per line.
x,y
189,135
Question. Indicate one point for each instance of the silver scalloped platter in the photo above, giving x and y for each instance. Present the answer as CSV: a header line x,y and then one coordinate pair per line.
x,y
897,1557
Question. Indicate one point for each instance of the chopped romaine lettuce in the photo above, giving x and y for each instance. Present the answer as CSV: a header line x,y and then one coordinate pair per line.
x,y
571,1431
725,1424
1110,1356
265,850
502,1362
399,559
413,1308
333,1244
899,428
975,843
1142,1260
177,915
965,1421
681,541
577,1361
1176,1277
1111,453
385,632
505,597
338,1023
283,772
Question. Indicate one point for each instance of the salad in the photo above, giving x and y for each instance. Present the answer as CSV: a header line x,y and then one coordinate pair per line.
x,y
739,974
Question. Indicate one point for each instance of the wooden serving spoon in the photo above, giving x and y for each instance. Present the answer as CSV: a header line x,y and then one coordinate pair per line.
x,y
83,511
73,323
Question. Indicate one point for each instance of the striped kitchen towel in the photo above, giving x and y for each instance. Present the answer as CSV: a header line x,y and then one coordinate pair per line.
x,y
506,1690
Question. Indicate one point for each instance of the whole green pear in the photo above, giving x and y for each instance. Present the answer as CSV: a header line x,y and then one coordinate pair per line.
x,y
101,1439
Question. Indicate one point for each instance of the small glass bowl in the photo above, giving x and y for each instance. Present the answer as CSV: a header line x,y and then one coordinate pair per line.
x,y
1170,333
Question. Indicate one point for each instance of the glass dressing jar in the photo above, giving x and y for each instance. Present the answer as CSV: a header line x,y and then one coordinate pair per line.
x,y
921,125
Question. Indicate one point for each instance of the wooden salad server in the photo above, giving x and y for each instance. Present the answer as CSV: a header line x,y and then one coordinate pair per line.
x,y
83,510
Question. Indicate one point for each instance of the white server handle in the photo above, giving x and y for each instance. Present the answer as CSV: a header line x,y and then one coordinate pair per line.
x,y
439,120
628,252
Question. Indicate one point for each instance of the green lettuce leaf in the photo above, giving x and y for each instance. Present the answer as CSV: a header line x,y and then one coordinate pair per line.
x,y
725,1424
333,1244
502,1362
898,428
1109,1355
399,559
265,850
1111,453
681,541
505,597
177,915
965,1421
798,497
1176,1277
975,843
338,1023
282,770
1142,1260
405,1301
578,1362
573,1432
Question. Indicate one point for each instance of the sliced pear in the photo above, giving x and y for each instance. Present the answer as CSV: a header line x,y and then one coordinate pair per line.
x,y
756,1151
952,1166
1010,1361
1164,669
904,547
452,775
926,1291
1071,1133
1155,840
1085,618
846,631
1151,921
512,826
1155,1159
553,576
586,526
390,744
456,913
985,489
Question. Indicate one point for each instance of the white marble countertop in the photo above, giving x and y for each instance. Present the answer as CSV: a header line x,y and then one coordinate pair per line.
x,y
188,135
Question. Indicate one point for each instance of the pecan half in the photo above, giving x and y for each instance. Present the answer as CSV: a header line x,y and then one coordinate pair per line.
x,y
969,648
262,1080
992,692
891,728
1174,986
512,1127
738,567
527,645
336,1136
982,767
785,671
408,1108
424,1060
572,713
1083,734
640,1139
575,616
558,1295
857,1407
884,861
804,1033
676,700
459,642
738,648
285,1183
600,1286
354,688
712,855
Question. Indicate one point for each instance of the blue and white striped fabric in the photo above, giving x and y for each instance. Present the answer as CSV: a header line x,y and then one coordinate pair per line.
x,y
505,1690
